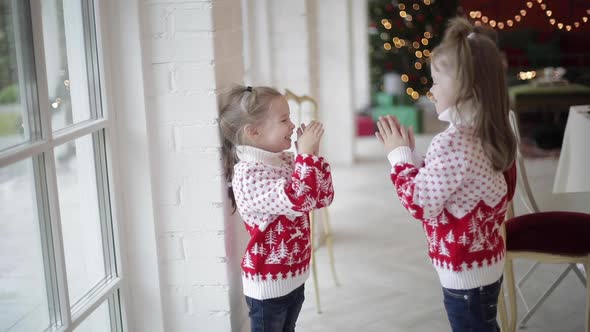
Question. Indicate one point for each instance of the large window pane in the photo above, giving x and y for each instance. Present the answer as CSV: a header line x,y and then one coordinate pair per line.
x,y
14,124
68,60
23,296
80,218
99,321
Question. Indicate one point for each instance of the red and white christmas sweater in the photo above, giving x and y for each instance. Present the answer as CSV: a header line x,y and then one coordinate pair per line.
x,y
461,202
274,193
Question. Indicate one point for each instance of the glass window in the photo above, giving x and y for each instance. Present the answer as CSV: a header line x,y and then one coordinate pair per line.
x,y
23,296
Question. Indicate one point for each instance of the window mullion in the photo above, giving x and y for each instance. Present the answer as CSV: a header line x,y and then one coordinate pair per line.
x,y
57,240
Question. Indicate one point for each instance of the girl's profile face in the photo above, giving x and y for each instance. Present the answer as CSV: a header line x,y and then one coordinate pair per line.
x,y
274,133
443,88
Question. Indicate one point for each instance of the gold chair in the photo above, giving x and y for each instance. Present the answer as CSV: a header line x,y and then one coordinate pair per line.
x,y
300,101
557,233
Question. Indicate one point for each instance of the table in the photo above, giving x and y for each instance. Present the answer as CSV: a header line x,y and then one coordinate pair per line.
x,y
573,168
530,97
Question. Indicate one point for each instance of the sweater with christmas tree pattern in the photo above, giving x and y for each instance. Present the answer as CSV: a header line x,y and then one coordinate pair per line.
x,y
274,194
461,202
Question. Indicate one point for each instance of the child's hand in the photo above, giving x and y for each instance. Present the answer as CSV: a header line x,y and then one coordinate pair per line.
x,y
392,134
308,138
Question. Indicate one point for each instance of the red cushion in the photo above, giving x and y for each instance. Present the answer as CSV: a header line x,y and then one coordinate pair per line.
x,y
562,233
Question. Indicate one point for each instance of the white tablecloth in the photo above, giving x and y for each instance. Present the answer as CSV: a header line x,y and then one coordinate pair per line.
x,y
573,168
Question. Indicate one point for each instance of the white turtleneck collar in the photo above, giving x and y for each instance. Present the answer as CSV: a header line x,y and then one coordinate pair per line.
x,y
452,115
253,154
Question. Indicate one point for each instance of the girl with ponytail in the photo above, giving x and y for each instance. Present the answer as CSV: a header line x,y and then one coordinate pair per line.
x,y
459,191
273,190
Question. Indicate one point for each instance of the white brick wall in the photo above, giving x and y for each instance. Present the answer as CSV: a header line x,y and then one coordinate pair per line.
x,y
193,50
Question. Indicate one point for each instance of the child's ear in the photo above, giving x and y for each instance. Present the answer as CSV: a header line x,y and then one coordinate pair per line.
x,y
251,132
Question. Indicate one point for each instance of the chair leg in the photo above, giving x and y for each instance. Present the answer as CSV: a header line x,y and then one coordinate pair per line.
x,y
330,244
314,269
502,310
546,295
509,270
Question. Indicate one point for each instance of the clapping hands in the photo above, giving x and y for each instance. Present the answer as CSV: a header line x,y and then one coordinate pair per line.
x,y
308,138
393,135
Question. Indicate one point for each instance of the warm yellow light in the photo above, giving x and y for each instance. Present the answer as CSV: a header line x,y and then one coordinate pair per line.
x,y
415,95
402,14
478,13
384,21
398,45
543,6
549,13
387,46
539,1
588,11
510,23
402,42
523,12
424,41
416,6
485,19
418,54
404,78
529,4
517,18
577,24
395,40
427,34
426,53
552,21
409,18
501,25
568,27
409,91
427,2
401,6
472,14
478,23
387,25
492,23
560,25
585,19
416,45
418,65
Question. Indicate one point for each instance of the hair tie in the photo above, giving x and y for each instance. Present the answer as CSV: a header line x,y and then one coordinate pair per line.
x,y
249,88
471,35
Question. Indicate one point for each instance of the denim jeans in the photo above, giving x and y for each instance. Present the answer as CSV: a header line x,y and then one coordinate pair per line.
x,y
278,314
473,310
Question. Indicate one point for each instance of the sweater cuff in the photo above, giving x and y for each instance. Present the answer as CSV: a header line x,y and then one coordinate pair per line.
x,y
401,154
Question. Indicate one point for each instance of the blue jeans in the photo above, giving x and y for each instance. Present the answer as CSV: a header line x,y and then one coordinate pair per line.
x,y
278,314
473,309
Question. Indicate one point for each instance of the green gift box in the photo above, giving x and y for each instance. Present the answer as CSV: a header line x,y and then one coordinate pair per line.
x,y
407,115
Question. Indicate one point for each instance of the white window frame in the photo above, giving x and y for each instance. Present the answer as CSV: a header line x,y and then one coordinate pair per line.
x,y
40,149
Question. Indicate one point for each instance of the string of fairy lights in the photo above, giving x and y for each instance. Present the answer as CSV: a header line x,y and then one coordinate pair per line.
x,y
482,19
422,51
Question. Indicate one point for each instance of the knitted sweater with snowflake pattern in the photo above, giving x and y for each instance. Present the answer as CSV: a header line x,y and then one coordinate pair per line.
x,y
461,202
274,193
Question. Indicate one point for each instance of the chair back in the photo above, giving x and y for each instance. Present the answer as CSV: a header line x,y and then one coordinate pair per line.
x,y
524,190
301,113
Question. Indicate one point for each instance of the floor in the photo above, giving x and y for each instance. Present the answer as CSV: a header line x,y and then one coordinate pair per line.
x,y
387,282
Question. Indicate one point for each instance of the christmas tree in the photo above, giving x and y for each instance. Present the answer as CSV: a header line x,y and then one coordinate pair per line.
x,y
402,35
